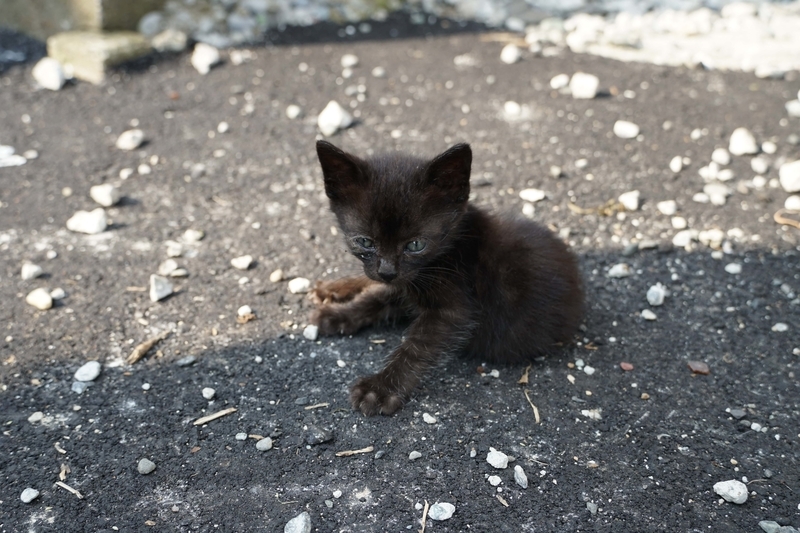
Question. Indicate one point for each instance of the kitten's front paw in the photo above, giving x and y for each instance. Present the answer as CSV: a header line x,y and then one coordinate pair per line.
x,y
337,291
371,395
332,321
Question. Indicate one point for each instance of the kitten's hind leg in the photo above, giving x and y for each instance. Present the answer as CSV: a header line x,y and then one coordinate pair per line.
x,y
375,303
339,290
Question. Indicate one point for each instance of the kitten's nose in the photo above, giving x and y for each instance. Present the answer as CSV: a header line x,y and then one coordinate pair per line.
x,y
386,271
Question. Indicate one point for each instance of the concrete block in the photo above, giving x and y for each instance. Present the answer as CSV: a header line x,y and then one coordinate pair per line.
x,y
89,55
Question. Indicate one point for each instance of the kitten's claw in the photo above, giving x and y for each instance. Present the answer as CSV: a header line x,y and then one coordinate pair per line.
x,y
332,322
372,396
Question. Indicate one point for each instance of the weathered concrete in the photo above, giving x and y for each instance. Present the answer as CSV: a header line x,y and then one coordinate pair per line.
x,y
88,55
43,18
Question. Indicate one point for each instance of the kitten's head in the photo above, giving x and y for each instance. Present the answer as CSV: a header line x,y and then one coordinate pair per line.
x,y
397,212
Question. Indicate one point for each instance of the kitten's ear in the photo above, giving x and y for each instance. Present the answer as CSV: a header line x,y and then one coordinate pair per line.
x,y
342,171
450,171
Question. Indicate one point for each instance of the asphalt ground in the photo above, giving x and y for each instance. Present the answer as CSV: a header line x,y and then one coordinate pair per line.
x,y
658,436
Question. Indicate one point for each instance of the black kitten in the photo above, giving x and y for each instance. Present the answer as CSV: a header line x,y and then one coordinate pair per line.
x,y
497,289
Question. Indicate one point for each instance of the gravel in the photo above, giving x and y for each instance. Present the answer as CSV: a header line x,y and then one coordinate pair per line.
x,y
28,495
145,466
40,299
620,270
742,142
49,73
790,176
441,511
105,195
333,118
205,57
733,491
519,477
584,86
243,262
88,372
30,271
130,139
299,524
160,288
89,222
497,459
264,444
299,286
625,129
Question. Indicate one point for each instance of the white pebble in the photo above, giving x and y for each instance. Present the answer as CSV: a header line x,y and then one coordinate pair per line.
x,y
620,270
130,140
414,455
264,444
769,147
780,327
630,200
589,370
293,111
428,419
700,198
667,207
656,295
28,495
512,110
192,236
532,195
167,267
625,130
241,436
105,195
510,54
299,286
204,57
58,294
160,287
792,203
144,169
732,491
717,193
679,223
208,393
726,174
30,154
520,478
89,222
494,480
223,127
793,108
40,299
441,511
759,164
584,86
349,61
311,332
733,268
333,118
721,157
244,310
49,73
647,314
676,164
88,372
35,417
742,142
378,72
30,271
242,262
559,81
276,276
299,524
497,458
790,176
125,173
684,238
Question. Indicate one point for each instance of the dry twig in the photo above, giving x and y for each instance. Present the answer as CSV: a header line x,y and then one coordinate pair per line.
x,y
316,406
501,500
218,414
524,379
142,349
70,489
535,409
781,219
424,517
348,453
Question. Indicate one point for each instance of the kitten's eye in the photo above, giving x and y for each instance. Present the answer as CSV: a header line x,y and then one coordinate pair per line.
x,y
365,242
415,246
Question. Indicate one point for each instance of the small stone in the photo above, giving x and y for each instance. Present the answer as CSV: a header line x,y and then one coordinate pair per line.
x,y
441,511
130,140
329,504
698,367
241,436
656,294
186,361
733,268
721,157
311,332
88,372
30,271
510,54
264,444
591,507
755,426
293,111
770,526
36,417
170,40
780,327
125,173
428,419
105,195
742,142
625,130
58,294
679,223
792,203
630,200
532,195
667,207
315,435
349,61
378,72
244,310
299,286
145,466
208,393
40,299
167,267
583,86
732,491
790,176
759,165
683,238
89,222
726,174
494,480
299,524
414,455
160,287
30,154
144,169
519,477
793,108
497,459
276,276
192,236
620,270
333,118
559,81
337,494
28,495
648,315
738,414
242,262
512,110
676,164
49,73
627,367
204,57
717,193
